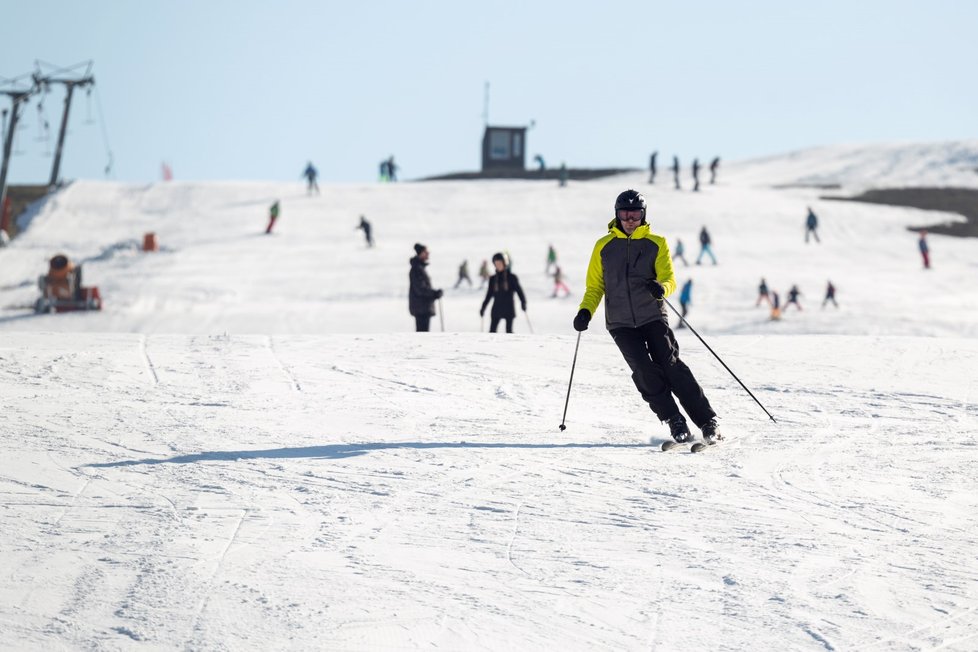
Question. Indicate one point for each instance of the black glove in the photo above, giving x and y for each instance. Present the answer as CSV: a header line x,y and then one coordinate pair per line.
x,y
523,306
582,320
482,312
657,289
438,294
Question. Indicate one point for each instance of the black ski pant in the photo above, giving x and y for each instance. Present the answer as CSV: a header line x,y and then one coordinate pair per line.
x,y
423,323
494,323
652,353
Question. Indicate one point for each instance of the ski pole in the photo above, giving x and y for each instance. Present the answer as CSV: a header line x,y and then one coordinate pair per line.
x,y
526,314
441,315
570,382
683,319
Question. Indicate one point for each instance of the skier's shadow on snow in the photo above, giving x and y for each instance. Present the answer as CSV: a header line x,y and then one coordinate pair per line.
x,y
337,451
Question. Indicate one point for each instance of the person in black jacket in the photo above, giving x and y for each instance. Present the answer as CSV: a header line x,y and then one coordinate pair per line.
x,y
421,296
502,285
631,270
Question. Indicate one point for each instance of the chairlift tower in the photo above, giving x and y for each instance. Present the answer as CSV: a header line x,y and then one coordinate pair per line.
x,y
70,85
17,98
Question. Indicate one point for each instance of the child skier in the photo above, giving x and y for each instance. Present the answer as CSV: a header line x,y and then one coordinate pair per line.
x,y
501,288
559,283
272,216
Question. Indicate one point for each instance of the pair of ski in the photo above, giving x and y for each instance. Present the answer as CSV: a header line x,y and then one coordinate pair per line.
x,y
669,445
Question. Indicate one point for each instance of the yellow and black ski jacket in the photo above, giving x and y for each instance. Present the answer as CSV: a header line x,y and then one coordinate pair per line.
x,y
620,269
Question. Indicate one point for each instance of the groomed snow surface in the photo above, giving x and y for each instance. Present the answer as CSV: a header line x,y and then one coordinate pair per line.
x,y
249,448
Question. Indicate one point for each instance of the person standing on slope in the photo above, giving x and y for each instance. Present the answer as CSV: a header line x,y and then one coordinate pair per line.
x,y
502,286
811,224
273,212
631,268
924,249
367,231
311,174
559,283
793,295
421,296
551,259
484,273
829,295
763,294
705,248
685,300
680,252
463,274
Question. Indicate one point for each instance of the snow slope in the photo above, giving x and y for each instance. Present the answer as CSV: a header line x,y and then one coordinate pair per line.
x,y
249,448
862,167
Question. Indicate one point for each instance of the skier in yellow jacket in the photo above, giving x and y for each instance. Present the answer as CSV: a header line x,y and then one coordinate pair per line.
x,y
632,269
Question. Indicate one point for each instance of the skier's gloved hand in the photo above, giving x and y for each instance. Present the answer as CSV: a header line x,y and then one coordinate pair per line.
x,y
523,306
438,294
582,320
482,312
657,289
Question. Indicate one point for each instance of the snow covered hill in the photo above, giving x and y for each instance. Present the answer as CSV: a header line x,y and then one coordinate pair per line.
x,y
861,167
249,448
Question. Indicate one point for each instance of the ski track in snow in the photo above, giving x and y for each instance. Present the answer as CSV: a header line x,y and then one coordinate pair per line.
x,y
214,462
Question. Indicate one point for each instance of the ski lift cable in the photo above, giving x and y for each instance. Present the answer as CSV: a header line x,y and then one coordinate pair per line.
x,y
57,70
103,128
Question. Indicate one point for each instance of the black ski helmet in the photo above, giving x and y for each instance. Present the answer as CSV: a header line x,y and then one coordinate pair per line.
x,y
630,200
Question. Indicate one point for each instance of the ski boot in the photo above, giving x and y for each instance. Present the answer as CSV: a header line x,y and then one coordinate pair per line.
x,y
711,431
678,429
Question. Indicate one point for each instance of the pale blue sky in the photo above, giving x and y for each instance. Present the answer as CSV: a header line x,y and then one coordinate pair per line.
x,y
252,90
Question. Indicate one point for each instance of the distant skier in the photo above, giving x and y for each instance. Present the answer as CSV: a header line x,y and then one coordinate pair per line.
x,y
391,169
714,165
775,306
685,300
273,212
551,259
811,223
793,295
705,247
541,164
484,273
763,294
311,174
675,171
631,268
924,248
563,175
559,283
696,175
652,166
367,230
385,174
421,296
830,295
501,288
680,252
463,274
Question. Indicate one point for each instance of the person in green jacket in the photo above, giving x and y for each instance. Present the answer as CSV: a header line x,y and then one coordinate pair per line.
x,y
272,216
632,270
